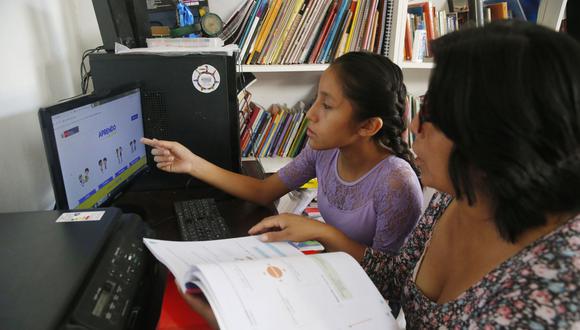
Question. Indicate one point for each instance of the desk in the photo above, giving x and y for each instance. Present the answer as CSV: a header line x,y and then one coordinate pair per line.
x,y
156,208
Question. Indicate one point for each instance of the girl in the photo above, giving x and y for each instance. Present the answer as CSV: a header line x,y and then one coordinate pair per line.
x,y
368,184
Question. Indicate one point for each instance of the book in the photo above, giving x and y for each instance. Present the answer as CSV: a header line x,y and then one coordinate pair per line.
x,y
323,34
233,27
300,136
298,113
346,32
305,48
263,134
498,10
274,34
424,9
276,132
337,37
295,201
279,34
369,19
270,133
373,31
408,39
254,285
360,22
264,32
298,20
256,129
248,23
300,28
355,23
271,165
385,49
250,37
336,23
283,135
287,23
292,136
380,28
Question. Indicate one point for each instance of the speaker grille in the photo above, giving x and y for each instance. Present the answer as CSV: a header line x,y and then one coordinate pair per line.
x,y
155,114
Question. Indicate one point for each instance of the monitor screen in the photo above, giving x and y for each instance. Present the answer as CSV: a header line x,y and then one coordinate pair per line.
x,y
92,146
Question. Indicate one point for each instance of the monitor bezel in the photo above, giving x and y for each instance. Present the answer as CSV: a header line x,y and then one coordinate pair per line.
x,y
45,115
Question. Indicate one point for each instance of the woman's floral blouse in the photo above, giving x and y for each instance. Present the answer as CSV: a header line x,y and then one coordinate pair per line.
x,y
535,289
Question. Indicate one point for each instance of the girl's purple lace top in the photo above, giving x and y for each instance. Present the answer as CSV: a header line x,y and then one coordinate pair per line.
x,y
379,209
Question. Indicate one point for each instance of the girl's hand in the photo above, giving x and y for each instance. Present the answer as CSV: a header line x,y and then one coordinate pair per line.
x,y
172,156
201,307
289,227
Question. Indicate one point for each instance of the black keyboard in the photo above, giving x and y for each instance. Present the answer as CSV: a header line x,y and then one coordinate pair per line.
x,y
200,220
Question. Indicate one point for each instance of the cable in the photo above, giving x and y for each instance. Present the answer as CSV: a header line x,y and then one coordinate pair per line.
x,y
85,74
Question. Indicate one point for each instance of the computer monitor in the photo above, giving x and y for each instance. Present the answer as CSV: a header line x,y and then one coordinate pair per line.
x,y
92,147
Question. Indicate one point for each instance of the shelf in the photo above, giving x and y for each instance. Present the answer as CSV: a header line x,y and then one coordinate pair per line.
x,y
283,68
413,65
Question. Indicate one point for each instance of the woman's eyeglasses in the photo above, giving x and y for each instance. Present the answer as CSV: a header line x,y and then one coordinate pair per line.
x,y
423,113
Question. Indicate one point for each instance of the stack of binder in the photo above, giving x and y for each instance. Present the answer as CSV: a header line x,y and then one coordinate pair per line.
x,y
308,31
278,131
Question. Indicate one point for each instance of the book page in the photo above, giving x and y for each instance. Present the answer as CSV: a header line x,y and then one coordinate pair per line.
x,y
181,257
323,291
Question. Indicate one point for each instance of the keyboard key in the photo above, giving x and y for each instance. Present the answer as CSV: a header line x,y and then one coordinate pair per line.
x,y
200,220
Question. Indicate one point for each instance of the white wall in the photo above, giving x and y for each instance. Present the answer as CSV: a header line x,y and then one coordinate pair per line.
x,y
42,43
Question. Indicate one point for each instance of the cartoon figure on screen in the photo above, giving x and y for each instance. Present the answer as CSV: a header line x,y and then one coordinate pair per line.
x,y
86,176
101,165
81,180
105,163
133,145
119,152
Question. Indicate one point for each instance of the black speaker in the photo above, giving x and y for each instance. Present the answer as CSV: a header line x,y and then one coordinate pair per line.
x,y
139,21
114,23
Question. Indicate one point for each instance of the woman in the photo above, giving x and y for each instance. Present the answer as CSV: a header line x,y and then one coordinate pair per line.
x,y
368,188
499,136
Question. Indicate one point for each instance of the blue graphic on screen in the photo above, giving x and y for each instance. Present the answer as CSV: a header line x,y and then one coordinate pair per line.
x,y
99,149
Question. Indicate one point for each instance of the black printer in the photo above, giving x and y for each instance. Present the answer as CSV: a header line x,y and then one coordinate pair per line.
x,y
80,274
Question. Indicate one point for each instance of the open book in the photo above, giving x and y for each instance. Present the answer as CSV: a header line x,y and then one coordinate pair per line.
x,y
255,285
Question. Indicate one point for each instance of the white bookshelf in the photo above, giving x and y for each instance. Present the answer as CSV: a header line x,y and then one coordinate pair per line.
x,y
550,14
283,68
412,65
292,83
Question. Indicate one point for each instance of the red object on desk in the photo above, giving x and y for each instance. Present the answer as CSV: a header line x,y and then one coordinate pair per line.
x,y
176,313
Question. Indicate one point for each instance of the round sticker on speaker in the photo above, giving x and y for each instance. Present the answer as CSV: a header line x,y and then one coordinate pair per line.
x,y
205,78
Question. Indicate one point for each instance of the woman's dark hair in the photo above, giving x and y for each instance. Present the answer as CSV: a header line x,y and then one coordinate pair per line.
x,y
508,96
375,87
